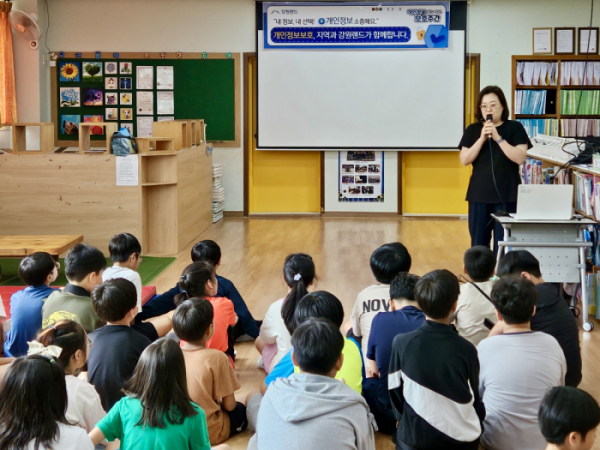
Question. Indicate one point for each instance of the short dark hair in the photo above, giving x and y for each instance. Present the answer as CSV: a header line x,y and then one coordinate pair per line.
x,y
480,263
35,268
66,334
389,260
492,90
159,383
122,246
517,261
192,318
319,304
206,250
113,299
403,286
514,298
33,401
436,292
82,260
565,410
317,344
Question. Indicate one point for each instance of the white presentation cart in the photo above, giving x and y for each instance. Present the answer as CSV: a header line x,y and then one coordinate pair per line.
x,y
559,247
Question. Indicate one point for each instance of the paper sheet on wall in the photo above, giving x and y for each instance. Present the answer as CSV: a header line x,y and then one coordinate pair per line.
x,y
361,176
164,78
145,77
145,103
165,102
127,170
144,126
166,118
564,41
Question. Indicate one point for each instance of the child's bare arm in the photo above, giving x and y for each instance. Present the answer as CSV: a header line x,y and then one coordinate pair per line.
x,y
228,402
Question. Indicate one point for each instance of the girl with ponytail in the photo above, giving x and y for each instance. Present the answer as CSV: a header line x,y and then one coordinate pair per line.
x,y
199,280
275,338
70,339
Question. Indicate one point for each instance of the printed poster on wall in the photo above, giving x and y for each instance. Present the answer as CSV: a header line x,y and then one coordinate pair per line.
x,y
360,176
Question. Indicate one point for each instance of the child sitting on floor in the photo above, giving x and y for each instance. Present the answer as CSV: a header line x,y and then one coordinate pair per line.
x,y
70,344
311,409
116,346
36,271
199,280
386,262
33,406
404,317
569,418
125,252
474,305
435,362
157,412
84,265
208,250
275,339
211,380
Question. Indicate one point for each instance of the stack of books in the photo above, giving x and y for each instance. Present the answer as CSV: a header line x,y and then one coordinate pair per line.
x,y
580,73
530,102
534,73
587,194
579,127
549,127
218,193
579,102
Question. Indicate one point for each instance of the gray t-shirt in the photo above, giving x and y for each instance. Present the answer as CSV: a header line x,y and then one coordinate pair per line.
x,y
516,372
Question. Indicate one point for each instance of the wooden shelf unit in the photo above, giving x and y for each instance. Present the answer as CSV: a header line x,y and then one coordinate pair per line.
x,y
178,130
19,138
160,145
558,88
110,128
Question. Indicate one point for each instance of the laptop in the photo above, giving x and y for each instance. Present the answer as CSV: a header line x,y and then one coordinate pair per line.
x,y
544,202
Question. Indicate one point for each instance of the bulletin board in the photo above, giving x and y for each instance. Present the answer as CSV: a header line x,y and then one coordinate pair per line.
x,y
205,86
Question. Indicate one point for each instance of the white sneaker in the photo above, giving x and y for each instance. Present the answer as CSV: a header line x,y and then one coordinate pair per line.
x,y
260,364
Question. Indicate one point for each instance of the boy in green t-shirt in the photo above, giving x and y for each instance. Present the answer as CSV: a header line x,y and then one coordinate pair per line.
x,y
84,265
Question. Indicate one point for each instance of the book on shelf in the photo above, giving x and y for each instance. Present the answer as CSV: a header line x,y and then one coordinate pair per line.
x,y
580,73
537,73
530,102
533,127
580,127
587,194
579,102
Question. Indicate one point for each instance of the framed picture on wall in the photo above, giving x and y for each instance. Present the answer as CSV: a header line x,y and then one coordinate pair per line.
x,y
542,41
588,41
564,41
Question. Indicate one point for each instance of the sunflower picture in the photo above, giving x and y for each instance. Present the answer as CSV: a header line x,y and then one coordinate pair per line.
x,y
69,71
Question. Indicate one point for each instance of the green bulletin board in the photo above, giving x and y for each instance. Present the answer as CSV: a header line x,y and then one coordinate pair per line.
x,y
203,89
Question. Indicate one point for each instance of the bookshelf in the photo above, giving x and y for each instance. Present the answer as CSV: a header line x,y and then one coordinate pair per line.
x,y
554,95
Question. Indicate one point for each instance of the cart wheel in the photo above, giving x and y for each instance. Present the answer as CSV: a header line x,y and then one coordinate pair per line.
x,y
588,326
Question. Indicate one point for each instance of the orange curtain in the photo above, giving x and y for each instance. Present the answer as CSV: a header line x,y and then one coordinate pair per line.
x,y
8,97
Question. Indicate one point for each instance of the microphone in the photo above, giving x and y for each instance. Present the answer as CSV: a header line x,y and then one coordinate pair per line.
x,y
489,118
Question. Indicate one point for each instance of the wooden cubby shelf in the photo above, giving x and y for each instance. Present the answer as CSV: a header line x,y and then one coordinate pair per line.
x,y
19,138
110,128
159,145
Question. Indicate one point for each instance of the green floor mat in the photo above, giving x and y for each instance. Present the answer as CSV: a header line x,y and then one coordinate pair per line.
x,y
149,269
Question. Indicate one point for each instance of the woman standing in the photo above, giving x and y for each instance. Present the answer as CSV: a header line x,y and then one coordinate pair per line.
x,y
495,146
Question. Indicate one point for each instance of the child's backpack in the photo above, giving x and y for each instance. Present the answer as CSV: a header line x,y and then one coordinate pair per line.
x,y
122,144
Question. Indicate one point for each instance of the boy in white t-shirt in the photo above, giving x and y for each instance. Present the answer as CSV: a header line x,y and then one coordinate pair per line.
x,y
474,305
386,262
125,252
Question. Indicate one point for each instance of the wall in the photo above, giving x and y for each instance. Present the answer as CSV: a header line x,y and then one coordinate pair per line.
x,y
497,30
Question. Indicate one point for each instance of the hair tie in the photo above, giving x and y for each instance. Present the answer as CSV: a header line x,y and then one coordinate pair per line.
x,y
183,277
36,348
297,277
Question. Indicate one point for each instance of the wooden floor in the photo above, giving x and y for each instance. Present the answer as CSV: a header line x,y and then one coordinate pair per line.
x,y
253,251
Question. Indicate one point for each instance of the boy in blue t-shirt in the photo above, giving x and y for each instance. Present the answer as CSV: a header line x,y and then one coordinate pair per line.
x,y
404,316
37,271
